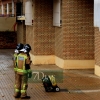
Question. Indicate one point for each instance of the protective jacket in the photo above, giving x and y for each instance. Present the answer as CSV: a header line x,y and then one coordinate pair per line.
x,y
23,63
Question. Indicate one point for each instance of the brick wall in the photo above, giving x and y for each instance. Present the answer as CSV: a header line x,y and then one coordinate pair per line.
x,y
77,36
8,40
41,36
59,47
97,46
73,41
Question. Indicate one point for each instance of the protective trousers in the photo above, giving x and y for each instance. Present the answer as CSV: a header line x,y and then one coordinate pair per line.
x,y
21,85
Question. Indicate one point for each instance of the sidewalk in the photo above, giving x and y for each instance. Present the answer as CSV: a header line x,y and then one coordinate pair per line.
x,y
75,84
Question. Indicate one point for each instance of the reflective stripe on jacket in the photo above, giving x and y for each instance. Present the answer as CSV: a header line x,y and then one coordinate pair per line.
x,y
15,61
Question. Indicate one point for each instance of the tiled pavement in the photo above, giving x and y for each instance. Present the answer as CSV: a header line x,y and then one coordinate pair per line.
x,y
75,84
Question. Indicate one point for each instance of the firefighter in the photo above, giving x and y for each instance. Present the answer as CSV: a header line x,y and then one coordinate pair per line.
x,y
23,72
16,52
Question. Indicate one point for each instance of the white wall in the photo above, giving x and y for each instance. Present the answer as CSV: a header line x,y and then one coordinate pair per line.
x,y
96,13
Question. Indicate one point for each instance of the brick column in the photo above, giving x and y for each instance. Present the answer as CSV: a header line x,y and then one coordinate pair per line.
x,y
75,40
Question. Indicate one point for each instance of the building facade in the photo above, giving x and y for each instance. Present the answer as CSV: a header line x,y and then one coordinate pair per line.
x,y
60,32
8,25
69,45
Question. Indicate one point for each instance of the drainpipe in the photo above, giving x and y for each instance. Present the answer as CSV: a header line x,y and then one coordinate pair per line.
x,y
12,8
15,26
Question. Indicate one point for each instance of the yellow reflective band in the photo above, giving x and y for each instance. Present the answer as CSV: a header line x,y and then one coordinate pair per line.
x,y
29,71
15,69
23,91
22,71
17,90
24,86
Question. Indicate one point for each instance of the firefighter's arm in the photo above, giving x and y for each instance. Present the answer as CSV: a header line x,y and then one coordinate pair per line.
x,y
28,62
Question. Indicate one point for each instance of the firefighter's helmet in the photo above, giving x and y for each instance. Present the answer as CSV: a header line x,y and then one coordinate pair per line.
x,y
27,47
19,46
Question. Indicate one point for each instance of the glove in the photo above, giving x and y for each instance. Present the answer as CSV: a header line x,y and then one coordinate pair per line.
x,y
30,75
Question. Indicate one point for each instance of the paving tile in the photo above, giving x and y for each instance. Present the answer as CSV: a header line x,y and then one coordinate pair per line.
x,y
76,84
